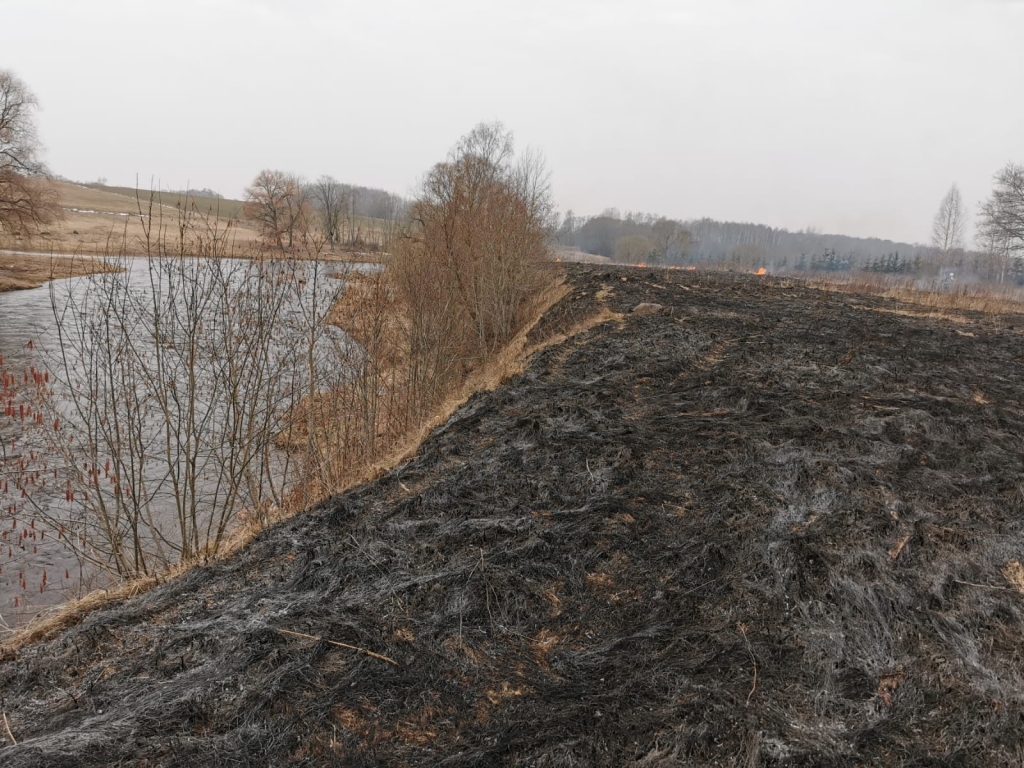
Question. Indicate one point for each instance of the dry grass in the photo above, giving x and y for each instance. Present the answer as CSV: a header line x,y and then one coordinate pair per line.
x,y
98,222
19,271
90,199
962,298
1014,573
920,313
225,208
93,220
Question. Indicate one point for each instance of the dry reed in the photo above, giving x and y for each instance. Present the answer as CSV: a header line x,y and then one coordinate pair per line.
x,y
963,298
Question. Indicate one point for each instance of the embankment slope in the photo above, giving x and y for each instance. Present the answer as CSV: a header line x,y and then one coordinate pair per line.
x,y
772,526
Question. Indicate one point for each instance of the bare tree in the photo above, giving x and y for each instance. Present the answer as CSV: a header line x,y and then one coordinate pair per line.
x,y
634,249
469,262
27,199
349,200
299,210
277,200
671,239
566,233
265,203
329,200
948,227
1001,221
390,210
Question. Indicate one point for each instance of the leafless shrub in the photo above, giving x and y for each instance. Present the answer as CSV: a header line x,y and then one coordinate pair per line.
x,y
172,377
483,221
462,279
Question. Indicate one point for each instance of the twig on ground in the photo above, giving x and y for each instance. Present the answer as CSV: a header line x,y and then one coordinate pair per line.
x,y
7,727
984,586
743,631
340,645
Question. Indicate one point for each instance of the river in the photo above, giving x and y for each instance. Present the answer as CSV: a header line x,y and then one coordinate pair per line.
x,y
37,568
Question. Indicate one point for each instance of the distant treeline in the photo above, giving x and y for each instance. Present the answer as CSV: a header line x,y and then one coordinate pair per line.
x,y
287,208
375,203
645,238
204,192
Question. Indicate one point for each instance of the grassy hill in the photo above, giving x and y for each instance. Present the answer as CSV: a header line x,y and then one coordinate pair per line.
x,y
98,220
221,207
765,524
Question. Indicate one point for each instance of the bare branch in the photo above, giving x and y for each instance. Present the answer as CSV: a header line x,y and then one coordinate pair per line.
x,y
948,227
27,200
1001,219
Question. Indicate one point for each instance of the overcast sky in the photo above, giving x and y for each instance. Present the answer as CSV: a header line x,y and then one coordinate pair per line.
x,y
850,116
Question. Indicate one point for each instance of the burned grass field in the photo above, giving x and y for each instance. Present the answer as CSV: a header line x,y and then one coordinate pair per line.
x,y
768,525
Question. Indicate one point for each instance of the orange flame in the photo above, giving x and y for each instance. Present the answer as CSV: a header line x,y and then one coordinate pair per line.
x,y
761,271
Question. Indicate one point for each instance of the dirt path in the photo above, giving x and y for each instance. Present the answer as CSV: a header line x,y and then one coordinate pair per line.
x,y
770,526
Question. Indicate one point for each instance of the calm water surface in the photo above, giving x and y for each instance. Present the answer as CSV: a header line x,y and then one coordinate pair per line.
x,y
36,570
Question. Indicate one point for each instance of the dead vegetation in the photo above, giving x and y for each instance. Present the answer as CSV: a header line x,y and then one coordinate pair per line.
x,y
938,303
20,271
447,316
771,527
95,221
349,440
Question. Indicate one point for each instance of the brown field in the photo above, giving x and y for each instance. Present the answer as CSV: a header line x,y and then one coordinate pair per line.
x,y
222,207
989,299
97,222
20,271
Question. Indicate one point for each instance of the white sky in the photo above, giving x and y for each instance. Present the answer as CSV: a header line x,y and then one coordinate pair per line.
x,y
853,116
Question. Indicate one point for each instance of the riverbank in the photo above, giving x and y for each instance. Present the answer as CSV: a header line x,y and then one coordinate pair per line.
x,y
23,271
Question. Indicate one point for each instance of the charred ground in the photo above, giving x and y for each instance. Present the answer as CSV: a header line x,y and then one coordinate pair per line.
x,y
771,525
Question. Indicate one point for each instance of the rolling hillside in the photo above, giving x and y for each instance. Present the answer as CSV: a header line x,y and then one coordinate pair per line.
x,y
99,221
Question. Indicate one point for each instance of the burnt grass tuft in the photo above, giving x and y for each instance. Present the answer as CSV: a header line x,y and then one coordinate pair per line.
x,y
770,525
